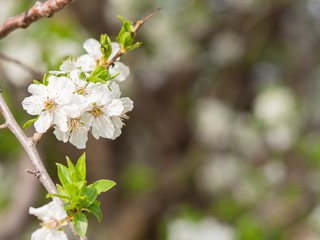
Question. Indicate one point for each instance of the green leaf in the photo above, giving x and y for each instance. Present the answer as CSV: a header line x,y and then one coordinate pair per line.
x,y
63,174
136,45
45,80
80,223
125,36
102,185
81,167
123,20
49,195
28,123
36,82
92,194
111,76
98,75
83,76
96,210
62,190
106,48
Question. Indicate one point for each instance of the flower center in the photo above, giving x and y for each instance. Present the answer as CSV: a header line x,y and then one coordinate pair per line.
x,y
74,124
96,110
81,90
53,223
50,105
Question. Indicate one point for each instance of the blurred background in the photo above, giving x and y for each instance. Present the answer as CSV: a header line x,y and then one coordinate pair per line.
x,y
224,140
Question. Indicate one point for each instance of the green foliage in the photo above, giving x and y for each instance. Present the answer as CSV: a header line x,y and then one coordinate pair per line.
x,y
100,74
79,198
126,35
106,48
45,80
30,122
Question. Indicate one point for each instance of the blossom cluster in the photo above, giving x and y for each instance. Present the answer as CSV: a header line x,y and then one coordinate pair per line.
x,y
82,96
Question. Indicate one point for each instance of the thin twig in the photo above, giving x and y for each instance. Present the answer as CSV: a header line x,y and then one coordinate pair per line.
x,y
3,126
35,74
39,10
135,30
140,22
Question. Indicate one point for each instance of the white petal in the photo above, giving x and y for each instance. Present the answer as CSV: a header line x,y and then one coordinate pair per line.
x,y
43,123
48,234
102,126
67,66
61,136
115,91
37,89
57,235
93,48
79,138
75,76
40,234
118,124
127,104
115,48
72,110
115,108
86,63
33,105
48,211
121,68
61,120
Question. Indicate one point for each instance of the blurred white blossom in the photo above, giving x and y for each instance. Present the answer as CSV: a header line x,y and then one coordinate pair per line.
x,y
213,122
275,106
276,109
226,48
219,173
274,171
205,229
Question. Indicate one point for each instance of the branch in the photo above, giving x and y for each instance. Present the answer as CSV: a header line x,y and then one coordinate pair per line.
x,y
39,10
35,74
29,144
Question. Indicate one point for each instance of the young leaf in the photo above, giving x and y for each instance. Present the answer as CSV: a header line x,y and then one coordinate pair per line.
x,y
72,171
81,167
123,20
80,223
45,80
102,185
58,195
63,174
62,191
136,45
36,82
28,123
111,76
95,209
106,48
91,193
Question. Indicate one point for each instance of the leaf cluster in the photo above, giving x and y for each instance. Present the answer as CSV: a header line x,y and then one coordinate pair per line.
x,y
126,35
80,198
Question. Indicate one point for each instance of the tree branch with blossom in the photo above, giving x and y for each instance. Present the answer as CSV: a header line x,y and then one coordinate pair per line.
x,y
84,96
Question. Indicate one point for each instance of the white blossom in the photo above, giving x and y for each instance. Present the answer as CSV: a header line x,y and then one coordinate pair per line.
x,y
52,103
53,217
89,61
107,111
205,229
